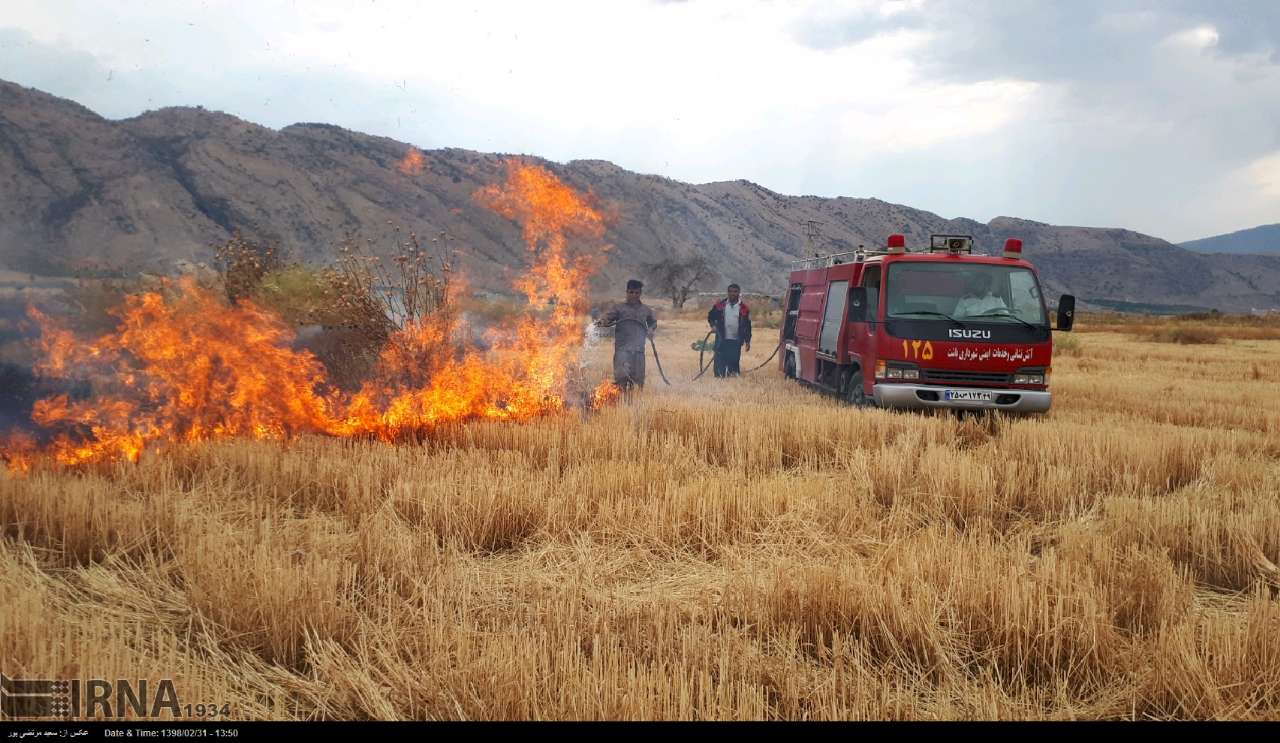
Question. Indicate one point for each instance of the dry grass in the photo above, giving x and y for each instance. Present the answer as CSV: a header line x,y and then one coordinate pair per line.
x,y
1187,329
734,549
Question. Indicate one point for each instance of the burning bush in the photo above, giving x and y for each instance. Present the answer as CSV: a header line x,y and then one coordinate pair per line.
x,y
181,365
343,332
244,264
348,312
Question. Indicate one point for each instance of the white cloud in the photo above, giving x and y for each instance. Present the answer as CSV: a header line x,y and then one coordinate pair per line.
x,y
1199,38
934,114
1250,190
899,7
1265,175
693,74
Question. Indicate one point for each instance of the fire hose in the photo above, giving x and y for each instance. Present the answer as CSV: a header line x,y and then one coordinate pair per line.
x,y
701,352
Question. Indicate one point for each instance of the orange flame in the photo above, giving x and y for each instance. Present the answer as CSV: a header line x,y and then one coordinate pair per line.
x,y
605,394
184,369
187,367
19,450
413,162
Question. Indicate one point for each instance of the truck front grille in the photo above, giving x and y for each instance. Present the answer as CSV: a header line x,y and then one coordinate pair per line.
x,y
948,376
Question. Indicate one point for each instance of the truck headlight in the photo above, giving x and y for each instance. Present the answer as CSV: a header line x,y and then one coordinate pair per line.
x,y
895,373
1028,378
910,373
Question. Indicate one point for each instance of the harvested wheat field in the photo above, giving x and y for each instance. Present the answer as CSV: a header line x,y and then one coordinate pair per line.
x,y
737,549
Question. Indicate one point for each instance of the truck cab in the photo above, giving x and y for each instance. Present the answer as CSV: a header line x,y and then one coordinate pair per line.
x,y
930,328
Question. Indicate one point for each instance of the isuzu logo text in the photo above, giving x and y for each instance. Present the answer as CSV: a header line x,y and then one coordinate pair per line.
x,y
966,333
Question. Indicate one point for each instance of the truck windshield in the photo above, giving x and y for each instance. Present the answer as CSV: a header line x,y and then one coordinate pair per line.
x,y
968,292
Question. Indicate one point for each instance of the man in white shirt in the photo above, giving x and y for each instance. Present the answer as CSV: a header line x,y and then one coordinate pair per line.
x,y
731,319
979,297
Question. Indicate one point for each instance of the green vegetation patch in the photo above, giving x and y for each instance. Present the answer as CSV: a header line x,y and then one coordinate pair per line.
x,y
1148,308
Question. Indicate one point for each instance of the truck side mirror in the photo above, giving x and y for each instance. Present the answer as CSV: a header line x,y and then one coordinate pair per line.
x,y
1066,312
858,304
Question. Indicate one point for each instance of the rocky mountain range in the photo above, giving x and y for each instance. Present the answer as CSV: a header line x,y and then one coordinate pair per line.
x,y
162,188
1261,240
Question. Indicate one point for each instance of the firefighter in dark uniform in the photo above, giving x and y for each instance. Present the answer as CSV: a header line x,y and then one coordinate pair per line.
x,y
633,323
731,319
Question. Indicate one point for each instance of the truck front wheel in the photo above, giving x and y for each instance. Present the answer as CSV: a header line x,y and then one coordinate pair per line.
x,y
853,392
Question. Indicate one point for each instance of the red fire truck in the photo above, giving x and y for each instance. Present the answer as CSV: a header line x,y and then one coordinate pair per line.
x,y
930,328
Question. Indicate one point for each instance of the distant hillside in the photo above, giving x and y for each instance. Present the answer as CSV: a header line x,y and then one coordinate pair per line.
x,y
1263,240
162,187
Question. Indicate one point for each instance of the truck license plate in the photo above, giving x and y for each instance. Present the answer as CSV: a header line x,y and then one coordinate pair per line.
x,y
967,396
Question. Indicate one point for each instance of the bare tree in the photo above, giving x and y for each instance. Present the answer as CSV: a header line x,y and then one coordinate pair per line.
x,y
676,278
243,263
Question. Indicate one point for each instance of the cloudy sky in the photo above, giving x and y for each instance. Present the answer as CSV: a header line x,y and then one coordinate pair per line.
x,y
1163,117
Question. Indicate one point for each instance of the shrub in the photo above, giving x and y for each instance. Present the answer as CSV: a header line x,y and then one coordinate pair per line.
x,y
243,264
1184,334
